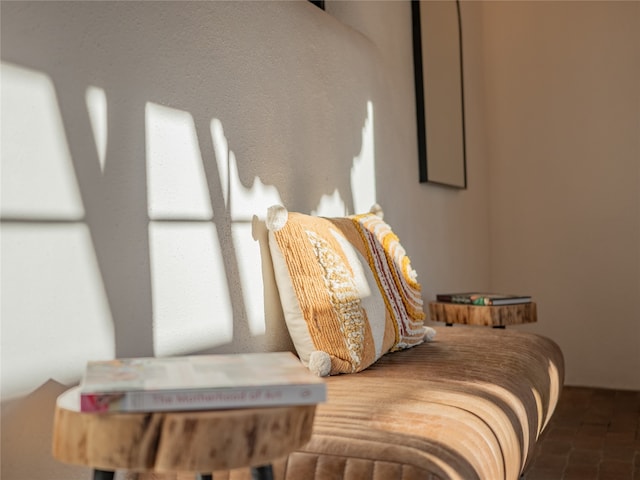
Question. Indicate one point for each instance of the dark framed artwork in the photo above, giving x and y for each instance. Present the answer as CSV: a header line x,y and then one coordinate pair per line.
x,y
437,55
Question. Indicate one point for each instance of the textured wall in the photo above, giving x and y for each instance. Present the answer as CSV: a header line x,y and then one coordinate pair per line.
x,y
139,139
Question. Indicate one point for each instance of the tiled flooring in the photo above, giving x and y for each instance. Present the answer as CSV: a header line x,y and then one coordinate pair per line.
x,y
594,435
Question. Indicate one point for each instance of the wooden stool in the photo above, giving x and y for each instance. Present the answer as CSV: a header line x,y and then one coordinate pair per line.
x,y
170,442
498,316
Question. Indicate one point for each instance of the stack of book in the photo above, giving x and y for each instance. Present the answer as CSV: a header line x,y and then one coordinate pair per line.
x,y
476,298
201,382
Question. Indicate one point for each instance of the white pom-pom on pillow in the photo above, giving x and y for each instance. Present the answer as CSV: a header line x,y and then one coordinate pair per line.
x,y
376,210
320,363
277,217
429,334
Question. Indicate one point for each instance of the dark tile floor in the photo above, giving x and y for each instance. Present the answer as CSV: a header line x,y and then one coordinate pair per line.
x,y
594,435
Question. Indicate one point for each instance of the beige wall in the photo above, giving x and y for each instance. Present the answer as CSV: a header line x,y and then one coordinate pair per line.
x,y
563,114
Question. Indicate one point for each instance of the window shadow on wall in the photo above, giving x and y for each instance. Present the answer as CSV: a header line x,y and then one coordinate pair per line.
x,y
288,105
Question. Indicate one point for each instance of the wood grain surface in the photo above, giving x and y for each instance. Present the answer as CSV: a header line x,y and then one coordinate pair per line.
x,y
194,441
495,316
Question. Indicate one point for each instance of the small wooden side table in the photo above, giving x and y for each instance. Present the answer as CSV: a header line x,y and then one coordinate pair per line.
x,y
498,316
170,442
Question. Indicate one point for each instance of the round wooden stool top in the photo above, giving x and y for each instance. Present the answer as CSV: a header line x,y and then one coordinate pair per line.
x,y
186,441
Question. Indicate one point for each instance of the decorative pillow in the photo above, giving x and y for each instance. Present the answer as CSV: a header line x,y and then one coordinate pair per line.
x,y
347,289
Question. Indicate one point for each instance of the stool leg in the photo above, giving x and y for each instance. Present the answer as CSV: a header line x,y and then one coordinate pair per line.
x,y
103,474
264,472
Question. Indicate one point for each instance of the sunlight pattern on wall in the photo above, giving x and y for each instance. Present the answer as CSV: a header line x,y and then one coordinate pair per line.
x,y
53,297
177,187
363,172
37,174
96,100
67,315
221,149
204,266
191,302
363,178
192,308
331,206
244,204
191,293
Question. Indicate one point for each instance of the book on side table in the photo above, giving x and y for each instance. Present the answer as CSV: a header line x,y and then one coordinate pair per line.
x,y
476,298
199,382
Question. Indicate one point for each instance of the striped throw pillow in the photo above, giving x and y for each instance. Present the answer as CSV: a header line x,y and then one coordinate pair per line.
x,y
347,289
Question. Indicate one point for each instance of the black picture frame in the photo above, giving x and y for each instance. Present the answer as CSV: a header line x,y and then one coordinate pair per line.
x,y
318,3
424,121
